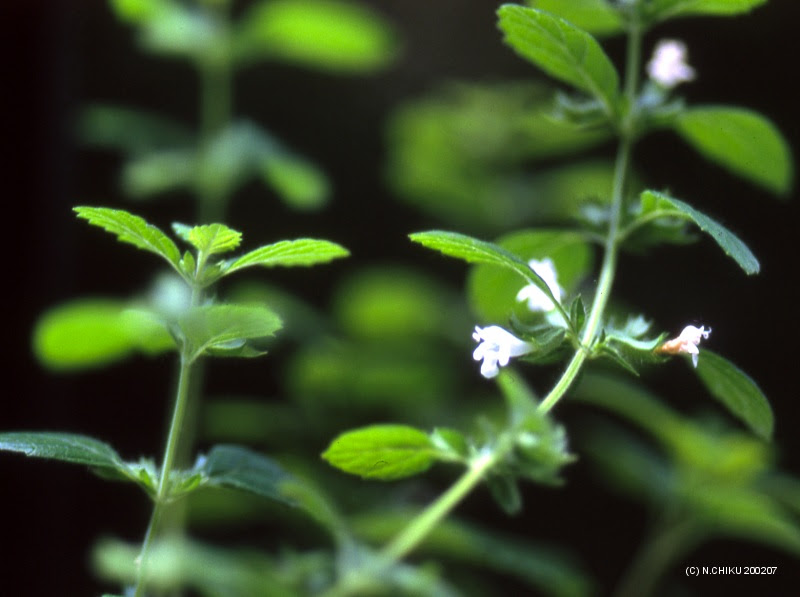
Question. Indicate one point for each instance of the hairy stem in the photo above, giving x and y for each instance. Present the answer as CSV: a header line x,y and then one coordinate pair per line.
x,y
416,531
162,492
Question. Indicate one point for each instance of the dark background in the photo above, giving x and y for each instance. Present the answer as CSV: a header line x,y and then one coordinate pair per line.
x,y
60,55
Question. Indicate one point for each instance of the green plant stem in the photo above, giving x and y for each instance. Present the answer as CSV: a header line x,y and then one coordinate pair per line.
x,y
419,528
216,101
611,249
162,492
416,531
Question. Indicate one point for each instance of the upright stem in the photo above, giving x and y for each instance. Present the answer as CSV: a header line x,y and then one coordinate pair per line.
x,y
432,516
416,531
162,492
216,100
609,267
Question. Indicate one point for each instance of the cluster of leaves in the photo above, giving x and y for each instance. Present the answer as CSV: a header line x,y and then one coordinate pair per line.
x,y
701,478
460,155
92,333
163,155
194,327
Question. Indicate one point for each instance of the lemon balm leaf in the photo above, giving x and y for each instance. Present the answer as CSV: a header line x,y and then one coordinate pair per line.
x,y
242,469
661,10
214,238
741,141
93,332
383,452
66,447
324,34
473,250
132,229
731,244
213,328
736,391
562,50
288,253
597,17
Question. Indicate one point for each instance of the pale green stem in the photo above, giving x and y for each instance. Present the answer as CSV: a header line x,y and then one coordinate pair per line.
x,y
428,519
609,267
162,492
419,528
216,101
432,516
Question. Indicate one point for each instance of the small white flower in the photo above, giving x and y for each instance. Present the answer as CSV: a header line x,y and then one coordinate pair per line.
x,y
538,300
687,342
496,347
668,66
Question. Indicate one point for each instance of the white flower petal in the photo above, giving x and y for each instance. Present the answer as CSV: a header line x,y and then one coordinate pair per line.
x,y
496,348
536,299
668,66
489,369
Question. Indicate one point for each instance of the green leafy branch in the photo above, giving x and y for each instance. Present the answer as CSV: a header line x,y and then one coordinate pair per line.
x,y
573,56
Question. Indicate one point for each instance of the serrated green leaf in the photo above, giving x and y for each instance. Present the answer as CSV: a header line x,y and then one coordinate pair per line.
x,y
661,10
562,51
736,391
493,291
132,229
289,253
742,141
92,333
302,321
225,327
324,34
597,17
66,447
212,239
473,250
236,467
383,452
296,180
727,240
